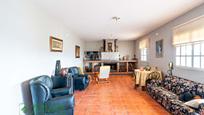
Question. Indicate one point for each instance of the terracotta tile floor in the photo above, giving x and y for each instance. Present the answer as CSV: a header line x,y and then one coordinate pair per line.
x,y
116,98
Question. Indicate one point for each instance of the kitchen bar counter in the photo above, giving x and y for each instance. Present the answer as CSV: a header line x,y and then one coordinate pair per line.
x,y
109,61
117,66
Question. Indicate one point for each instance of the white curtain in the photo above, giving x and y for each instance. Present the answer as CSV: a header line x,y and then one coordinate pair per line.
x,y
143,43
189,32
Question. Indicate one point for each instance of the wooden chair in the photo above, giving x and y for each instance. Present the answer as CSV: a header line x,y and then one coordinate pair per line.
x,y
154,75
103,74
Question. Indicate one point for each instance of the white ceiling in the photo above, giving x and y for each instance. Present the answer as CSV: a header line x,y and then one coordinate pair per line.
x,y
91,19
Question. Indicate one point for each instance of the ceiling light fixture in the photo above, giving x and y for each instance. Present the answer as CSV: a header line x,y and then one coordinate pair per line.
x,y
115,18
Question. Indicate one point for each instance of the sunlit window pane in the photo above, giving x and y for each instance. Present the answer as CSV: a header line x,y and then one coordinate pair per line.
x,y
178,61
202,50
189,61
183,61
183,50
141,52
145,52
202,62
189,49
178,50
196,49
196,62
145,58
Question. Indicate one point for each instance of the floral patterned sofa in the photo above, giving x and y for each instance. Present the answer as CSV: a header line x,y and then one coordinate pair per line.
x,y
168,93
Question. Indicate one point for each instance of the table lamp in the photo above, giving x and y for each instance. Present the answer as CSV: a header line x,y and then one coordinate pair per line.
x,y
171,67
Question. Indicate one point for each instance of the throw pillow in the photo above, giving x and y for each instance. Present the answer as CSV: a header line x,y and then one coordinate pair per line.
x,y
187,96
194,103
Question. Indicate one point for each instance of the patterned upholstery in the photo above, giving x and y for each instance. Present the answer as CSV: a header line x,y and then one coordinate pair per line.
x,y
154,75
168,91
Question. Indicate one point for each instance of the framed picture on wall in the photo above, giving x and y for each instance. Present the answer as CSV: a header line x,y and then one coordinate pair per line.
x,y
110,47
159,48
56,44
77,51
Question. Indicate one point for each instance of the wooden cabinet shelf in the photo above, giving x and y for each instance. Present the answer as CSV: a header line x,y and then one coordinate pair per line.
x,y
117,67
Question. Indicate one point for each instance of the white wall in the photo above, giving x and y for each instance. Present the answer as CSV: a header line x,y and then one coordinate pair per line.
x,y
125,48
165,32
24,47
93,45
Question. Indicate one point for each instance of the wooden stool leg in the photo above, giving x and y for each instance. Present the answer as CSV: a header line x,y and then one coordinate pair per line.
x,y
136,86
143,88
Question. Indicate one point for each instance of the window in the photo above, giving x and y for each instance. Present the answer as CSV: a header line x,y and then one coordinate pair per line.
x,y
143,45
188,39
143,54
190,54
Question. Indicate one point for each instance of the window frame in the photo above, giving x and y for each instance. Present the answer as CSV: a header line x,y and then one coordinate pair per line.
x,y
142,54
192,67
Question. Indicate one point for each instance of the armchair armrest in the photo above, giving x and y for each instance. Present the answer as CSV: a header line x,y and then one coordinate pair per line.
x,y
62,91
59,103
178,107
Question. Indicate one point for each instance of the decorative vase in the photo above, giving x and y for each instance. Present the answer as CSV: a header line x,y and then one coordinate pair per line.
x,y
57,68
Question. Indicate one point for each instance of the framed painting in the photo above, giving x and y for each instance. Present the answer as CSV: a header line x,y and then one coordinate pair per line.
x,y
56,45
110,47
159,49
77,51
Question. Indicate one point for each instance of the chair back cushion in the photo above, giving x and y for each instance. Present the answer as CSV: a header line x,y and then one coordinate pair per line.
x,y
45,80
59,82
40,93
104,72
74,71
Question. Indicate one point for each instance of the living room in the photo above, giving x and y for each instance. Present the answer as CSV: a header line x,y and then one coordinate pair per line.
x,y
140,34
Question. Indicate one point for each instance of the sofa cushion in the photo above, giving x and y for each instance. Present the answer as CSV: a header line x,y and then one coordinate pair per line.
x,y
164,95
179,85
59,103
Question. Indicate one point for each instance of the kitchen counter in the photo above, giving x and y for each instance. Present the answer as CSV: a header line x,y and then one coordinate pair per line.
x,y
117,66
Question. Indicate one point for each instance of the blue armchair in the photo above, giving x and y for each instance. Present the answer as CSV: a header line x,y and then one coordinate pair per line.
x,y
62,85
44,103
81,81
